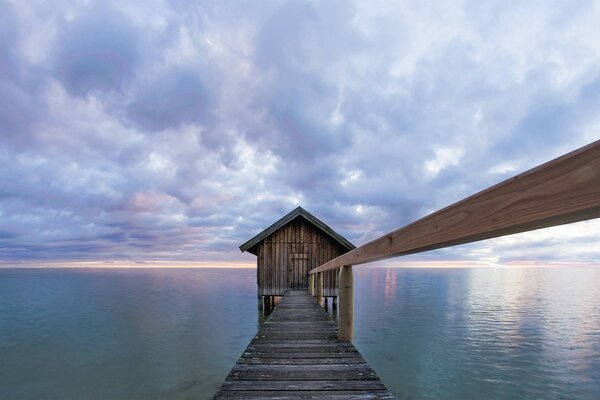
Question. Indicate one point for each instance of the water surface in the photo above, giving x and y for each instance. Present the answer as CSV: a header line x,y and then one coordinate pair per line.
x,y
122,334
175,333
526,333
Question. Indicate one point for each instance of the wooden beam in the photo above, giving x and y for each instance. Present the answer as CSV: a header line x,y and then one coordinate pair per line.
x,y
320,289
346,321
561,191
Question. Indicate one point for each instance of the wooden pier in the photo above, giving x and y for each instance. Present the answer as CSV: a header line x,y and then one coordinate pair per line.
x,y
297,354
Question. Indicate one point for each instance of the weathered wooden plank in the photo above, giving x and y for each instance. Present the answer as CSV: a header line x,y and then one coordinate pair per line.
x,y
296,355
299,352
259,267
304,385
299,309
308,375
300,317
319,351
295,318
288,324
303,368
269,269
302,335
270,333
564,190
310,394
346,321
299,344
347,359
278,266
283,265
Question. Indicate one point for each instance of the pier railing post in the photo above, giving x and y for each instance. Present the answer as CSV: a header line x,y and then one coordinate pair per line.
x,y
311,284
320,288
346,304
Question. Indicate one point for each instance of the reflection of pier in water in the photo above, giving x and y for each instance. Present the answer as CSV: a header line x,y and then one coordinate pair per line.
x,y
292,355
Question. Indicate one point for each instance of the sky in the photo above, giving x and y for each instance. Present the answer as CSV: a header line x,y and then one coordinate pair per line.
x,y
177,130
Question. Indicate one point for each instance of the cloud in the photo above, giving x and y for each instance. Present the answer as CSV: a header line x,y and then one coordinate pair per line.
x,y
169,100
16,113
8,36
98,50
177,130
299,99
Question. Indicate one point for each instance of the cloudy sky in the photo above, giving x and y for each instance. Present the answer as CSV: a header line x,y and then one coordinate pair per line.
x,y
177,130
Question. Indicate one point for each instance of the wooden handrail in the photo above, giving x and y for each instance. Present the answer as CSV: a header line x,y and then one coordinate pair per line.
x,y
561,191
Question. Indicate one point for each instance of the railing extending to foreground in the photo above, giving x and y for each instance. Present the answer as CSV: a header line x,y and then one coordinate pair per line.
x,y
561,191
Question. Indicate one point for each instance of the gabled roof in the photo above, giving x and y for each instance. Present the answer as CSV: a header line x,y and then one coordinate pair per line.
x,y
299,212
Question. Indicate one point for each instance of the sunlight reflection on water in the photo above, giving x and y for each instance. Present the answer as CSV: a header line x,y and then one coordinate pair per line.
x,y
482,333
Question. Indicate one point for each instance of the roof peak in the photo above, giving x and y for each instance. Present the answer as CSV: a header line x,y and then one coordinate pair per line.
x,y
289,217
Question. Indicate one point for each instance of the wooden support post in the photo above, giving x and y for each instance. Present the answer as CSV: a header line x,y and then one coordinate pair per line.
x,y
320,289
333,303
311,284
326,303
346,304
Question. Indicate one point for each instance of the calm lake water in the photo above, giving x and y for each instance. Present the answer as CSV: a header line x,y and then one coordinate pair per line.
x,y
174,334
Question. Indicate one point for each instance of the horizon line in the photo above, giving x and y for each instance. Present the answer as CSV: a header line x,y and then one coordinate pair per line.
x,y
450,264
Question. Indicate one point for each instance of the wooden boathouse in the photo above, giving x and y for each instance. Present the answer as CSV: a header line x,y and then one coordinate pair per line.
x,y
290,248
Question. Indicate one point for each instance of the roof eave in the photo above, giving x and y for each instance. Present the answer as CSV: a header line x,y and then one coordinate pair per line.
x,y
251,244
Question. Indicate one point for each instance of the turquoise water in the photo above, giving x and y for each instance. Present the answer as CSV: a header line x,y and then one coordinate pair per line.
x,y
429,333
482,333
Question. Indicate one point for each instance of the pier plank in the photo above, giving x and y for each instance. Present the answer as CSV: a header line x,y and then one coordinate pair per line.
x,y
301,361
309,394
296,354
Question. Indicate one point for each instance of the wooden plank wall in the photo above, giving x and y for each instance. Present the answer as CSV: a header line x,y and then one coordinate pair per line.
x,y
286,257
